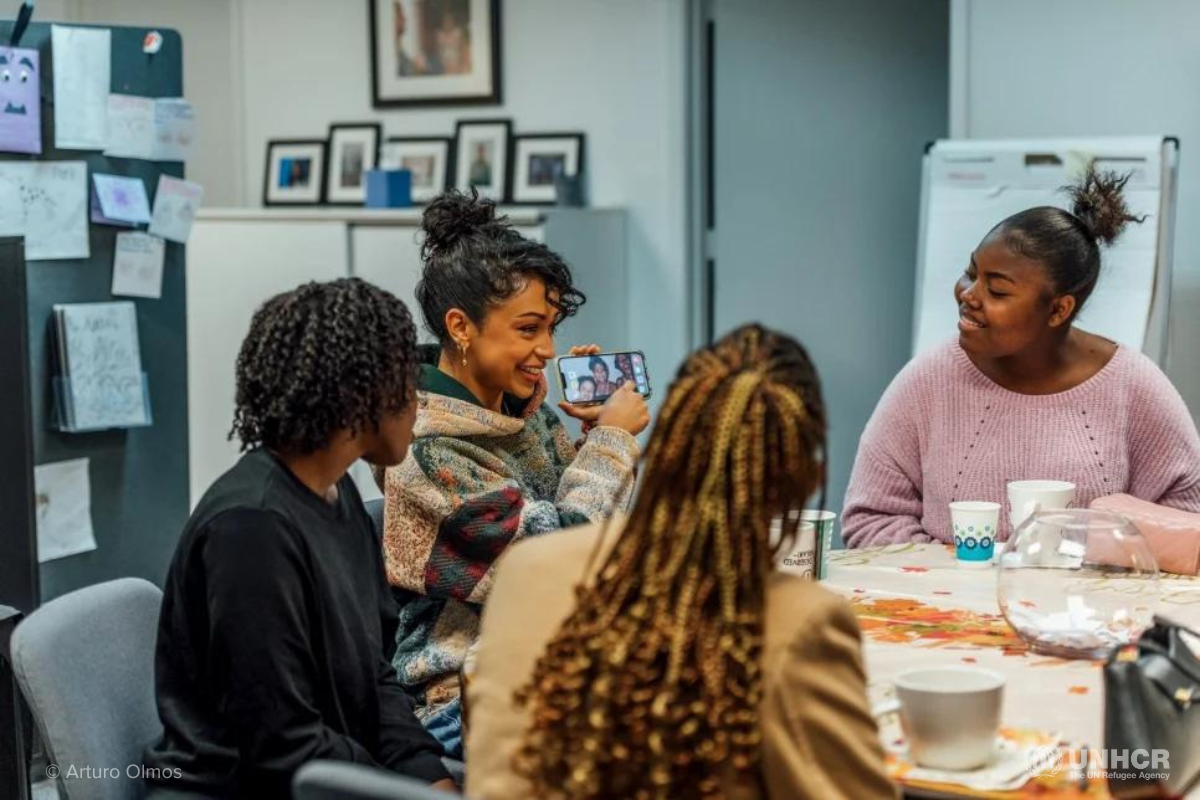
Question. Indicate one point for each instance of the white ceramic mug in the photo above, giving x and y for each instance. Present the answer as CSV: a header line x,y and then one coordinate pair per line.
x,y
1028,497
950,715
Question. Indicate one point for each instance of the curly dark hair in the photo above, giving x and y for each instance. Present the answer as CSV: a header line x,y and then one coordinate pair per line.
x,y
475,260
1067,243
322,358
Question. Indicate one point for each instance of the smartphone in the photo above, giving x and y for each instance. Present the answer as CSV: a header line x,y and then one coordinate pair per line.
x,y
590,380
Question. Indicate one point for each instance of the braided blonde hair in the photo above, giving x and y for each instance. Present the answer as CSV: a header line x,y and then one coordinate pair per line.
x,y
651,687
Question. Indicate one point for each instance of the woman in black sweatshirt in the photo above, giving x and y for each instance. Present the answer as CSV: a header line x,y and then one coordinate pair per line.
x,y
277,626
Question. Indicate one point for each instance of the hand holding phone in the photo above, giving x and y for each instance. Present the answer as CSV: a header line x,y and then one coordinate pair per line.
x,y
605,388
625,409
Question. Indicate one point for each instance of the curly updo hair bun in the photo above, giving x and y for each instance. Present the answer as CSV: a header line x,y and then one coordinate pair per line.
x,y
1098,200
454,217
322,358
1067,243
475,260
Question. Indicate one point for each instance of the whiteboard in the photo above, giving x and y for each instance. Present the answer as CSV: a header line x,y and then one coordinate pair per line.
x,y
969,186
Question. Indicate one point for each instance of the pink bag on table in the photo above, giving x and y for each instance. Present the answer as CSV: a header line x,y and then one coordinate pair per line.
x,y
1173,535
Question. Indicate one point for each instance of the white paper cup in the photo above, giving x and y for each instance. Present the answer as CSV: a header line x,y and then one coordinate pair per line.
x,y
823,522
975,525
802,558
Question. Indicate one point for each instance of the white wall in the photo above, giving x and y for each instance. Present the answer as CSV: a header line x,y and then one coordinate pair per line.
x,y
1025,68
614,69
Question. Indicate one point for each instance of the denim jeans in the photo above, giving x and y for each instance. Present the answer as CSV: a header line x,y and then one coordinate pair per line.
x,y
445,725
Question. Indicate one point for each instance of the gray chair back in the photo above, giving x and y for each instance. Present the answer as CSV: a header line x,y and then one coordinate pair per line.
x,y
335,780
85,663
375,512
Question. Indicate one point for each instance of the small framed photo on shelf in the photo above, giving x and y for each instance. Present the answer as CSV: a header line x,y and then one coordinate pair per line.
x,y
295,173
481,157
435,52
353,150
427,158
539,160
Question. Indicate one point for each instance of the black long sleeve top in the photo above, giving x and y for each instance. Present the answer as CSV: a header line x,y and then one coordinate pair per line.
x,y
274,642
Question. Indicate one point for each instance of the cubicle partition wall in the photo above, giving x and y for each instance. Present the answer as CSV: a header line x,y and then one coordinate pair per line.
x,y
138,476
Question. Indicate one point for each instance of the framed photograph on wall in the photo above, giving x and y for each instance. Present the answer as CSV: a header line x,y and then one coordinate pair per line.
x,y
427,158
295,172
539,159
481,157
353,149
435,52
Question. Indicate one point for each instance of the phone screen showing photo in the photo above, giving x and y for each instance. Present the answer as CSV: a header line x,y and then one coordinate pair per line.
x,y
591,379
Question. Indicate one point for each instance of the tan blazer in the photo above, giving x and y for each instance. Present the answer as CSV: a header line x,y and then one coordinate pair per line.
x,y
818,737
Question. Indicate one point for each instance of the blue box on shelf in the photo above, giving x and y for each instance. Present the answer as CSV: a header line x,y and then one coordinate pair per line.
x,y
390,188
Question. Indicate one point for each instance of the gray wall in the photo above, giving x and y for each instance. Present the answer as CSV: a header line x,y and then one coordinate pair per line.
x,y
822,113
1025,68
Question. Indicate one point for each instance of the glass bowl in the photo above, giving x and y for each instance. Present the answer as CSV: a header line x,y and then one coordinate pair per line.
x,y
1077,583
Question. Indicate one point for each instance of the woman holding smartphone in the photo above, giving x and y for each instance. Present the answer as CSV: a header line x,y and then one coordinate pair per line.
x,y
491,463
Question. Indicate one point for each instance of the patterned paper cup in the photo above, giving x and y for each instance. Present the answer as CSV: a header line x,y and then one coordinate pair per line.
x,y
975,525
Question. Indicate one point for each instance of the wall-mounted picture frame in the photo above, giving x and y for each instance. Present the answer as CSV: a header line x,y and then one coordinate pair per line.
x,y
435,52
481,157
353,150
539,159
295,172
428,158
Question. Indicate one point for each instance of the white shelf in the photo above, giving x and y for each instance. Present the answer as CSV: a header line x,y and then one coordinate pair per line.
x,y
351,215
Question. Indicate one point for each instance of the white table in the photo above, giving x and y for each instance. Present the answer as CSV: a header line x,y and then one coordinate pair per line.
x,y
917,608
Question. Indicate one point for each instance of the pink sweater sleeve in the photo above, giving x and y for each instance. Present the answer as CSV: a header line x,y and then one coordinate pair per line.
x,y
883,500
1164,447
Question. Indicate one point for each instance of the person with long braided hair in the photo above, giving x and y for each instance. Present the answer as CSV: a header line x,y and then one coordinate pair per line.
x,y
661,656
277,621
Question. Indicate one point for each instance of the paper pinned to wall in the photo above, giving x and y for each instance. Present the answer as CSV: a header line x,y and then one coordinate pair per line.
x,y
56,205
130,127
138,265
121,200
82,70
47,203
175,129
149,129
64,509
175,206
20,100
12,205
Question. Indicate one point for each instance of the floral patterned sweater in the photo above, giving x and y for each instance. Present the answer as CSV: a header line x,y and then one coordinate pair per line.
x,y
475,482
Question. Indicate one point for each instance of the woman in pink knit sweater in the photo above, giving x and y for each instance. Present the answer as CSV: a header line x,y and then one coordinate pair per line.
x,y
1022,393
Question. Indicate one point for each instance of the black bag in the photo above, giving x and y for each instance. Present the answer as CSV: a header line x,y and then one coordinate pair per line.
x,y
1152,702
